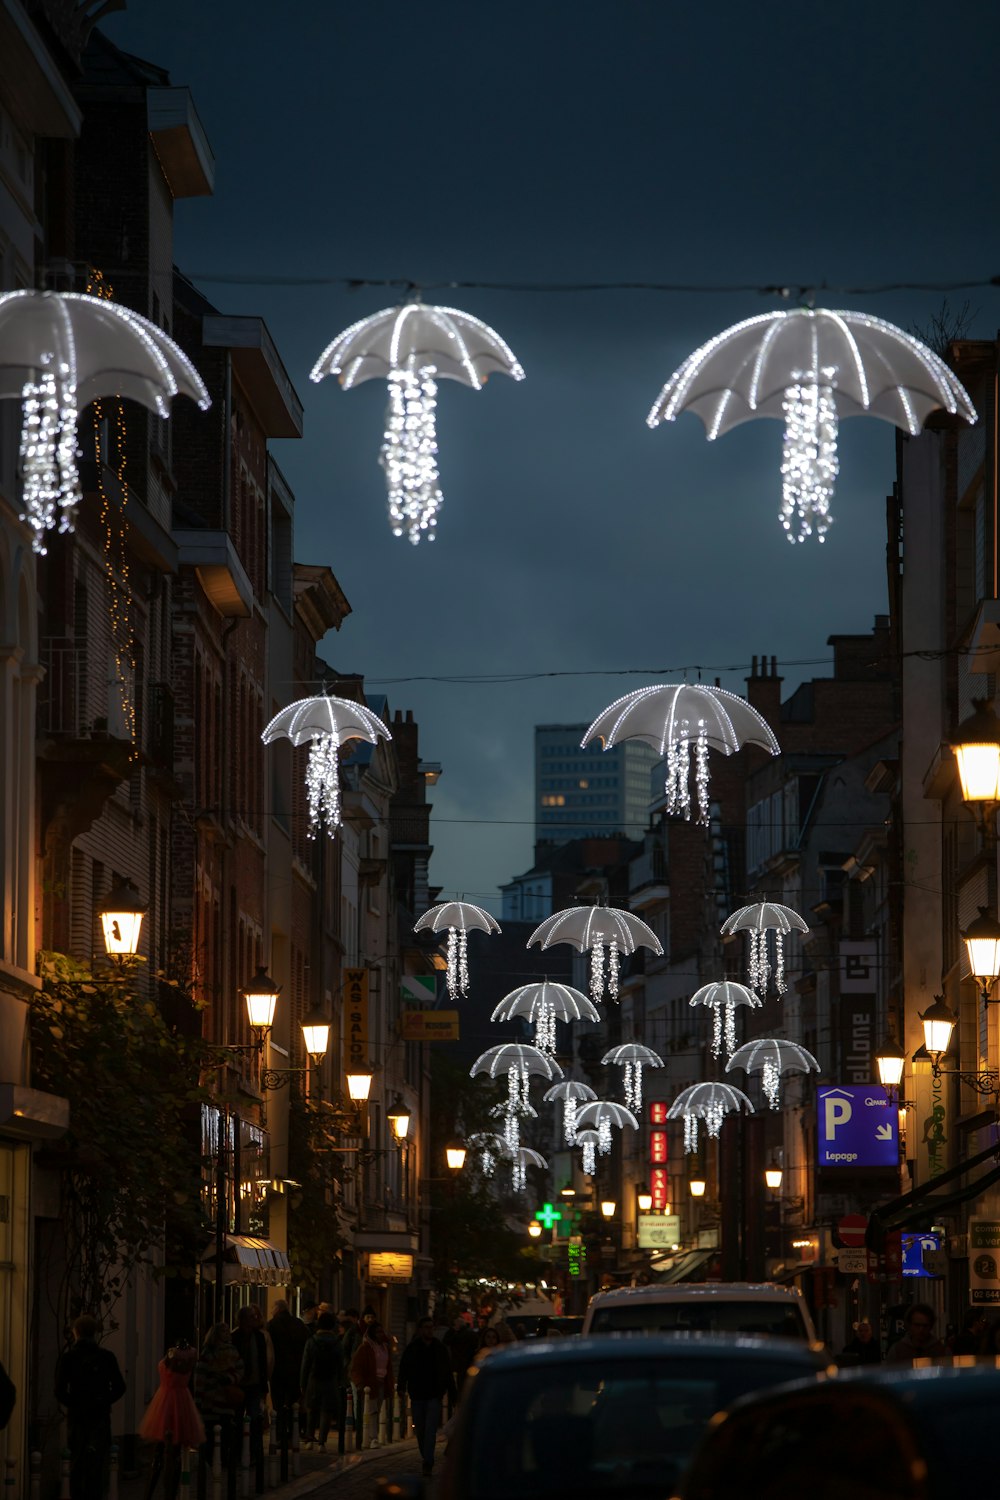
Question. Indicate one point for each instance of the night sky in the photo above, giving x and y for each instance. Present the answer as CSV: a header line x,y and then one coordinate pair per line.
x,y
579,555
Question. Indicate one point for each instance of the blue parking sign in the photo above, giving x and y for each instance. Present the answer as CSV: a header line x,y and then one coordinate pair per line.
x,y
858,1126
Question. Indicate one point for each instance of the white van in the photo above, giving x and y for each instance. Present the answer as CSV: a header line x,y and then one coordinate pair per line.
x,y
702,1307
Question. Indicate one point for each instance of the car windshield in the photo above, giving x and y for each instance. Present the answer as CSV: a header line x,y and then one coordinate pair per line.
x,y
602,1426
711,1315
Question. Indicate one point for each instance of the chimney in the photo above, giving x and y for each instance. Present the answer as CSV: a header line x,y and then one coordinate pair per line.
x,y
764,689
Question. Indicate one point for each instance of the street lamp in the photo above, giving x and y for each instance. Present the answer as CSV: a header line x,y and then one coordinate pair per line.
x,y
399,1119
976,743
261,997
359,1086
608,1206
644,1200
454,1154
939,1022
772,1177
982,942
534,1229
890,1059
121,913
697,1187
315,1037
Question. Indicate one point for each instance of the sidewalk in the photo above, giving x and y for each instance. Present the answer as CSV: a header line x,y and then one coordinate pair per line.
x,y
316,1469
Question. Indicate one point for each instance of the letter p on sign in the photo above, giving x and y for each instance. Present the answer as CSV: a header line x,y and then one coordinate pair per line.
x,y
836,1112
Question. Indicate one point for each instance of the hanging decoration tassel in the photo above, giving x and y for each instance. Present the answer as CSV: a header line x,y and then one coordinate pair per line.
x,y
690,1134
596,970
633,1085
771,1080
323,785
49,454
714,1116
457,973
569,1121
613,968
604,1137
545,1027
779,962
759,969
716,1031
678,782
701,773
519,1175
409,453
589,1158
809,464
463,962
730,1030
487,1161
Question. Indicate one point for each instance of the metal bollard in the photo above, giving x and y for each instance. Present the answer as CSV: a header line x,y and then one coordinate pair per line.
x,y
383,1423
64,1475
349,1417
296,1445
184,1481
217,1462
36,1476
273,1462
245,1485
113,1474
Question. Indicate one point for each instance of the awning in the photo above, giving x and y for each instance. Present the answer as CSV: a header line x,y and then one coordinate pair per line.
x,y
686,1267
248,1261
917,1208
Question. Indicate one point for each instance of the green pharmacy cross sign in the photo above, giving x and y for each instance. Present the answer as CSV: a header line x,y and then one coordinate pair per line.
x,y
547,1215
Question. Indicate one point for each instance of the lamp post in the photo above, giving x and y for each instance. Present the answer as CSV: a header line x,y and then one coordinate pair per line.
x,y
982,944
939,1022
976,743
890,1060
121,913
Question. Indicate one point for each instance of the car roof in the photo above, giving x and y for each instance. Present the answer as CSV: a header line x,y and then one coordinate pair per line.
x,y
681,1346
937,1380
725,1291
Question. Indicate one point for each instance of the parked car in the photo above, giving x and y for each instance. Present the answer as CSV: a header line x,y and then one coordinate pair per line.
x,y
898,1434
559,1325
613,1417
709,1307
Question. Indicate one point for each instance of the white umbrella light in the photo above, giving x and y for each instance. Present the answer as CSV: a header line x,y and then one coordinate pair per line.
x,y
490,1149
632,1058
543,1005
588,1141
758,920
520,1062
673,717
412,347
571,1094
524,1158
459,918
809,367
601,1115
325,723
772,1056
710,1102
591,927
58,352
723,997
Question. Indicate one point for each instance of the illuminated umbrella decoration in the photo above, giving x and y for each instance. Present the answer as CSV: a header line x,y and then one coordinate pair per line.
x,y
460,918
723,997
571,1094
588,1140
676,717
758,920
412,347
524,1158
325,723
772,1056
602,1114
543,1005
490,1149
591,927
710,1102
521,1062
633,1058
809,367
58,352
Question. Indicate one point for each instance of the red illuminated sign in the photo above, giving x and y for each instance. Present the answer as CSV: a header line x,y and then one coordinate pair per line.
x,y
658,1147
657,1112
659,1186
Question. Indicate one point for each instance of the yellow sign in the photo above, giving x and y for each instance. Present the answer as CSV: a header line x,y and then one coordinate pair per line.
x,y
430,1026
390,1265
356,1008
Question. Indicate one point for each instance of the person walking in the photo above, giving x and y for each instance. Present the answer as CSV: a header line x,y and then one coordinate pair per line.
x,y
918,1341
251,1346
426,1373
347,1330
371,1370
973,1337
489,1340
289,1337
320,1376
460,1344
218,1395
88,1383
863,1347
351,1338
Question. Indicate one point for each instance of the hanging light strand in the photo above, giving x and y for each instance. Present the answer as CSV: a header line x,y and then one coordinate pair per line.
x,y
809,464
690,1134
730,1029
569,1120
596,969
323,785
51,485
409,453
589,1158
771,1082
613,968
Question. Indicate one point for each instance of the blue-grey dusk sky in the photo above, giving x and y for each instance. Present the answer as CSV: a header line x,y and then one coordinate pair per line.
x,y
838,144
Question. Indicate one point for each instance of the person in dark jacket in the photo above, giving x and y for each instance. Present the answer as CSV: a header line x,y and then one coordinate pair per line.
x,y
88,1383
863,1347
251,1346
425,1371
321,1375
289,1336
461,1343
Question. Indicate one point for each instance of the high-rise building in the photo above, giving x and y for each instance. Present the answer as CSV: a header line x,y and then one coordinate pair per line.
x,y
582,793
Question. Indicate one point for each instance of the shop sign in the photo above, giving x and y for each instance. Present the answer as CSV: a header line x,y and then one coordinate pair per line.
x,y
984,1262
390,1266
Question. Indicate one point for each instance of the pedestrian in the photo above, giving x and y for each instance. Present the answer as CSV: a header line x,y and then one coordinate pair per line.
x,y
251,1346
489,1340
320,1377
973,1337
918,1341
289,1337
8,1398
171,1419
88,1383
863,1347
347,1331
352,1339
218,1395
426,1372
460,1342
505,1334
371,1371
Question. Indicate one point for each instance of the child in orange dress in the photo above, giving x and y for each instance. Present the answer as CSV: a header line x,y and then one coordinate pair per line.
x,y
172,1418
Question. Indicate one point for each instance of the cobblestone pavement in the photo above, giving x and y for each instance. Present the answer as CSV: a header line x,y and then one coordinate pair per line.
x,y
352,1477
